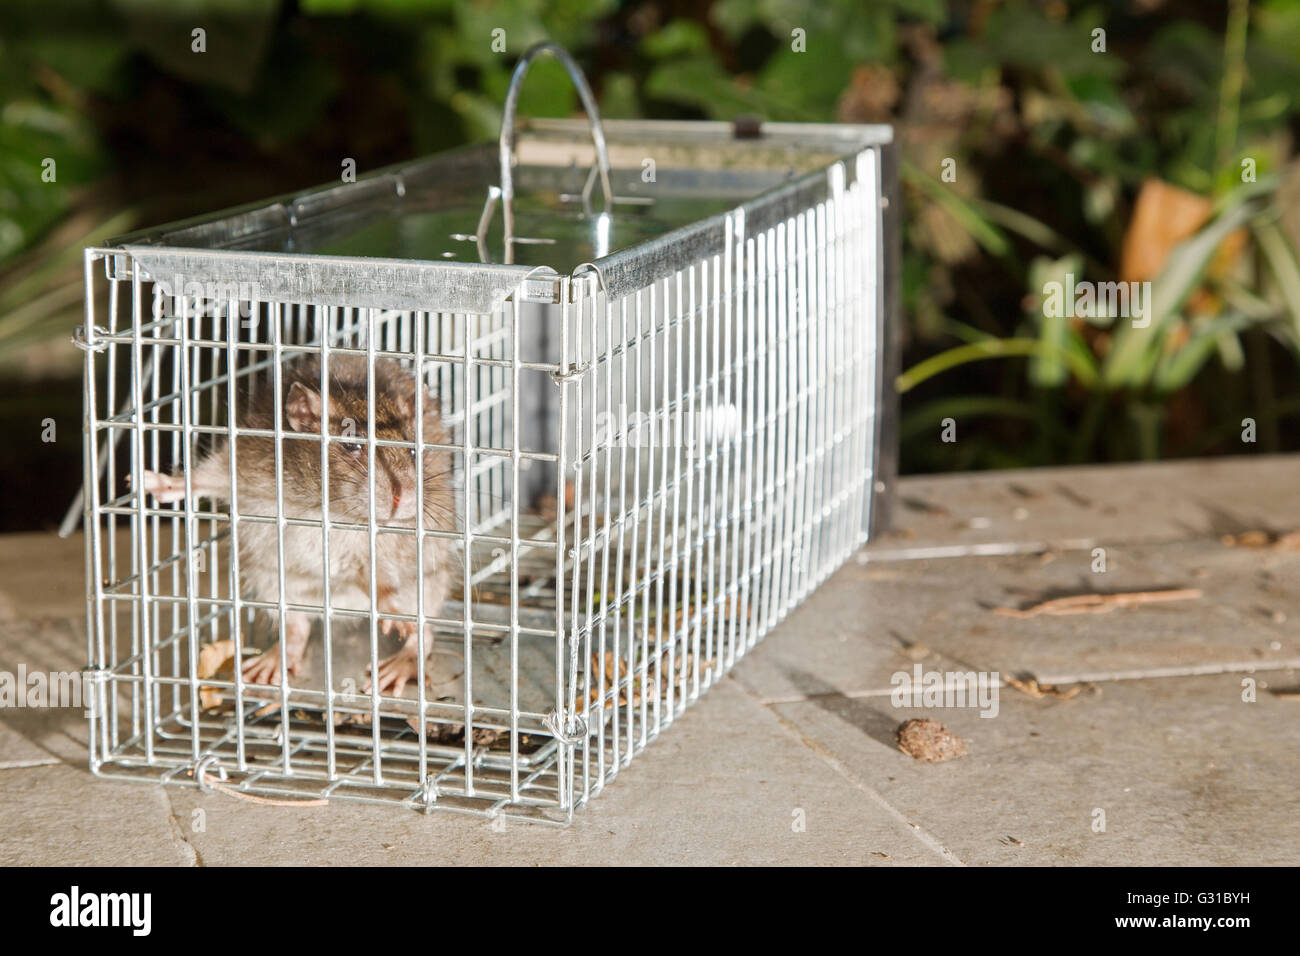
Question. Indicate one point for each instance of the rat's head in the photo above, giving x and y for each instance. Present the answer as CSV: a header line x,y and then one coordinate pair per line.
x,y
394,475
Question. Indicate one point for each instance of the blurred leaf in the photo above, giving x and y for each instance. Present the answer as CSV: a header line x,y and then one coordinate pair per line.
x,y
677,38
701,82
474,25
1176,370
1018,222
53,286
980,228
1278,21
572,22
809,82
1187,57
440,50
734,17
30,133
1047,368
86,61
480,115
546,91
848,28
931,11
1023,36
1282,262
1102,103
1135,350
618,97
238,35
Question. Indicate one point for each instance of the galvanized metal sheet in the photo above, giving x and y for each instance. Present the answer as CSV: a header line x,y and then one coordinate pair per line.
x,y
337,280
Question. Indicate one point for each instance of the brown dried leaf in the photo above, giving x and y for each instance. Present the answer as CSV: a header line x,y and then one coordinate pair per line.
x,y
214,659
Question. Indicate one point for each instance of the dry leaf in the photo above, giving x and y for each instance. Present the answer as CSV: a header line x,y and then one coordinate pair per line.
x,y
1263,539
1099,603
213,659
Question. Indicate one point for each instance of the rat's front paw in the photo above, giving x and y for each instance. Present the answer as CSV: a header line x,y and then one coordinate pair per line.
x,y
403,629
265,667
166,489
396,672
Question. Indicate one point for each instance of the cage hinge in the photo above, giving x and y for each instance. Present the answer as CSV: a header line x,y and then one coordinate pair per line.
x,y
80,341
543,290
573,373
571,733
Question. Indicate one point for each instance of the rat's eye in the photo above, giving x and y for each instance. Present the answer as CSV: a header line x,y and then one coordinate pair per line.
x,y
353,448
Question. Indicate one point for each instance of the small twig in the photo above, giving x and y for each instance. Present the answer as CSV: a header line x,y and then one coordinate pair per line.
x,y
205,780
1031,687
1099,603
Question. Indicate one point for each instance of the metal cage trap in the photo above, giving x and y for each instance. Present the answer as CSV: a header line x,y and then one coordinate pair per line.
x,y
654,427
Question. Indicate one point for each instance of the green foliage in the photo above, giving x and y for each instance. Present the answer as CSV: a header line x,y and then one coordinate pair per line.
x,y
1051,139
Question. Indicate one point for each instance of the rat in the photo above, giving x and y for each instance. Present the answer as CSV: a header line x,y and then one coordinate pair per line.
x,y
349,482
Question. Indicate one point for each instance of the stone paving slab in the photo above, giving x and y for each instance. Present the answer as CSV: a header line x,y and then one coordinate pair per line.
x,y
42,576
19,751
719,788
1184,771
873,620
1077,507
62,816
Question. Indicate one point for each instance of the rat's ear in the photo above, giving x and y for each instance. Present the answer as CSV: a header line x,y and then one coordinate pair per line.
x,y
404,399
302,408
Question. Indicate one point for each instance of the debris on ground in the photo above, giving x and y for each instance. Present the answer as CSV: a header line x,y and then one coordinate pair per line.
x,y
1263,539
1099,603
913,650
1028,684
683,668
928,740
216,660
1011,841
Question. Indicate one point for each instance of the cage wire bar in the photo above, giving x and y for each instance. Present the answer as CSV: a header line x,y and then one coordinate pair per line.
x,y
652,457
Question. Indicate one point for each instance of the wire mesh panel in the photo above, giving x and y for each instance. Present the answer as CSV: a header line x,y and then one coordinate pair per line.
x,y
722,461
470,536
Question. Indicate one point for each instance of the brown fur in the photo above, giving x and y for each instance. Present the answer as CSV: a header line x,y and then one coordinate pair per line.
x,y
395,472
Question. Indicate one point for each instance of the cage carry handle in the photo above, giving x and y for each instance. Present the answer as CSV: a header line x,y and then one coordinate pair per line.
x,y
507,144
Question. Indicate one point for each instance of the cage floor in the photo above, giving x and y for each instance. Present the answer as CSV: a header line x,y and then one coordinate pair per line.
x,y
250,759
624,695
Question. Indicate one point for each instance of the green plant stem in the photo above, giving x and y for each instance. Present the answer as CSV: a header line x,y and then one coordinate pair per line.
x,y
992,348
1147,419
1087,432
1234,70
